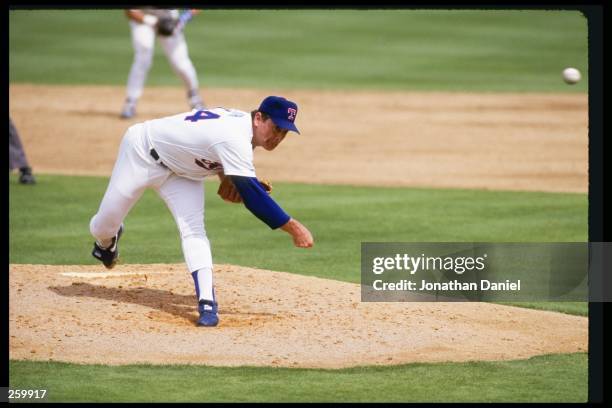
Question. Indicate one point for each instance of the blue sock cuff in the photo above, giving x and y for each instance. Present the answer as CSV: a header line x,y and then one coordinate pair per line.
x,y
194,275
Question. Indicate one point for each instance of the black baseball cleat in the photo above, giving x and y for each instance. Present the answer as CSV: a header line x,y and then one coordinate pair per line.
x,y
108,256
26,176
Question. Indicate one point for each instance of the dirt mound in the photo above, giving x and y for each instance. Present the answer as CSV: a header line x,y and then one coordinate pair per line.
x,y
147,314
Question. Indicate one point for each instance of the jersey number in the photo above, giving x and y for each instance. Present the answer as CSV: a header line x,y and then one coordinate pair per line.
x,y
202,115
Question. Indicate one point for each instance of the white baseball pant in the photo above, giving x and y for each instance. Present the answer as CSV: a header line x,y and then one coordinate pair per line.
x,y
134,171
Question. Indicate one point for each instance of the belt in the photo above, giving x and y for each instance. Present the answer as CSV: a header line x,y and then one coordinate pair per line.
x,y
156,157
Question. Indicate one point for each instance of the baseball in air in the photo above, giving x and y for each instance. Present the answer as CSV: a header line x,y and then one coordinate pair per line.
x,y
571,75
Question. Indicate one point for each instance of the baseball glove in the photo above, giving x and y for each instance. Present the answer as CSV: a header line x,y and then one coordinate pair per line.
x,y
166,26
228,192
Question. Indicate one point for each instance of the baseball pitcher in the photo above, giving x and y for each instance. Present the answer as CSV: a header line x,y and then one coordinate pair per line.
x,y
172,155
167,26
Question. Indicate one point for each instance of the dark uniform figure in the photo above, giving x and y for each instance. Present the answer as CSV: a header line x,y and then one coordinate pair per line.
x,y
17,157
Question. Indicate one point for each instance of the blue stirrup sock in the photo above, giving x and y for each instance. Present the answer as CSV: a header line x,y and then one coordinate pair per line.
x,y
203,280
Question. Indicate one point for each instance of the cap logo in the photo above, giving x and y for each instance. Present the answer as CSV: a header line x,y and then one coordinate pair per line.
x,y
292,112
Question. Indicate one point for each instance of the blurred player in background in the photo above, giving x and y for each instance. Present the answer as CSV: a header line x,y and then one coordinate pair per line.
x,y
17,157
167,25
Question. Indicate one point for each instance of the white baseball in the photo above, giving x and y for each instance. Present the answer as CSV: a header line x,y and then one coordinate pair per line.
x,y
571,75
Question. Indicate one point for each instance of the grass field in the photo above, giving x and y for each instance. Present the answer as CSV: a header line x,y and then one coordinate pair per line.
x,y
549,378
474,50
50,223
425,50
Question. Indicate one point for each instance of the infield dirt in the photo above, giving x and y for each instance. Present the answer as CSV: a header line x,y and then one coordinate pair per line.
x,y
536,142
146,313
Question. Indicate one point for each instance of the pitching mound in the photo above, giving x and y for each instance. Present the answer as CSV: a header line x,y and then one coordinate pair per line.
x,y
147,314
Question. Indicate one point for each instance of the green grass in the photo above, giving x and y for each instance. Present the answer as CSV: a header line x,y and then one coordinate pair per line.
x,y
574,308
551,378
449,50
49,223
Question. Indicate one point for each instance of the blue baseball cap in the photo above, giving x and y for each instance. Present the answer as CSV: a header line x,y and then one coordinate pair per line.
x,y
281,111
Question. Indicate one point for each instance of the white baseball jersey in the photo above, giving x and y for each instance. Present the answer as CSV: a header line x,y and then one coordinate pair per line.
x,y
197,144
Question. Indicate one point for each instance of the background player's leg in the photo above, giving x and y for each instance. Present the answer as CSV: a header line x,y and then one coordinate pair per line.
x,y
175,48
143,42
17,156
